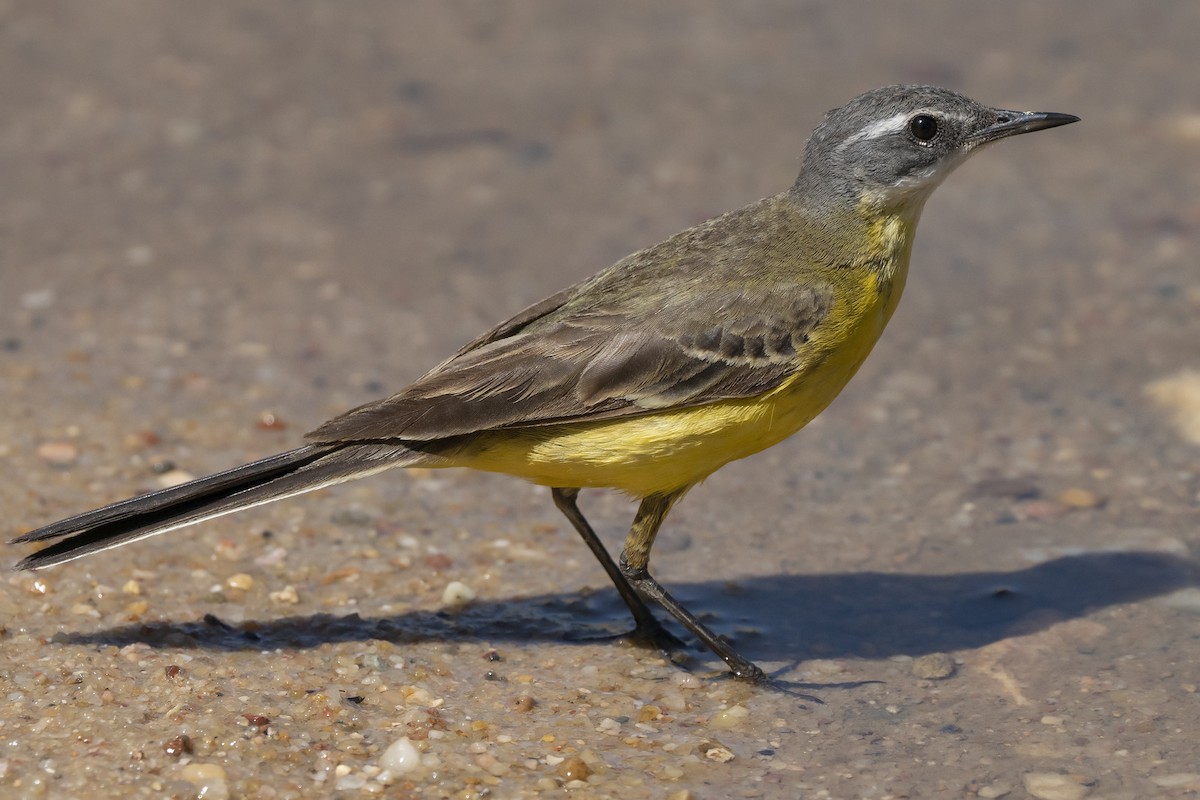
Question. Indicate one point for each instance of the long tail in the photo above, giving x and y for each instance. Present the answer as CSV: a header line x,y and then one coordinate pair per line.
x,y
273,478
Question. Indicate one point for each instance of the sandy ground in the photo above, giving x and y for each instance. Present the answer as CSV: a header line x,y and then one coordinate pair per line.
x,y
222,224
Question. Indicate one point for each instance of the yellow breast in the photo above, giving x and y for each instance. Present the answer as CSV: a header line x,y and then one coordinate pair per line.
x,y
667,450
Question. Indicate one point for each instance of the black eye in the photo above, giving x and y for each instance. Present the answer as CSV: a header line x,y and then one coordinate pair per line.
x,y
923,127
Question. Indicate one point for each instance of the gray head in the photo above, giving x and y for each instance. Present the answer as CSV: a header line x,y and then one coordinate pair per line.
x,y
893,145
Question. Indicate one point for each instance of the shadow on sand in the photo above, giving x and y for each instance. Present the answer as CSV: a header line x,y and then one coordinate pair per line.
x,y
771,618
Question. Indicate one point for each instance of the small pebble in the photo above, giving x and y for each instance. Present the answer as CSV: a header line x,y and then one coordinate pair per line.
x,y
1055,786
419,696
438,562
400,757
671,773
132,587
1079,498
286,596
84,610
209,780
342,574
269,421
573,768
457,594
933,666
492,765
275,555
241,581
350,782
59,454
524,704
610,726
673,701
257,720
142,439
649,714
177,745
730,717
994,791
718,753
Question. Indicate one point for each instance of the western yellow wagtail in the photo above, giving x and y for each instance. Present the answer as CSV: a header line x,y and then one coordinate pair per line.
x,y
649,376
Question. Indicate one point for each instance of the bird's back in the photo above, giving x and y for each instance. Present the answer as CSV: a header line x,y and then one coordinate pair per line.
x,y
754,355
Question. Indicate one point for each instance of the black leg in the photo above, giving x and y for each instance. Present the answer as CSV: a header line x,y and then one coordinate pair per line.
x,y
648,627
635,561
741,666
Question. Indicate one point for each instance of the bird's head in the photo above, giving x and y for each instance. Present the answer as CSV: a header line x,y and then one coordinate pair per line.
x,y
892,146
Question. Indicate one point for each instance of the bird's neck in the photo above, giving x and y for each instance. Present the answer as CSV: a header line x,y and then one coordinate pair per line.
x,y
888,234
862,233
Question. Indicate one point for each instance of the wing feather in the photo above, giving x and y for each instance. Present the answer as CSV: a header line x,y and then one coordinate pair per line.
x,y
663,328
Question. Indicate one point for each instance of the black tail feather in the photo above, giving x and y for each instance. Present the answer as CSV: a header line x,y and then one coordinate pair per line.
x,y
272,478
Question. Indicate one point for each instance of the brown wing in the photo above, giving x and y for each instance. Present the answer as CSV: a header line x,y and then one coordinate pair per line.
x,y
688,322
592,368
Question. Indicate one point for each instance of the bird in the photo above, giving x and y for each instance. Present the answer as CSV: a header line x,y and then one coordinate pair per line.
x,y
649,376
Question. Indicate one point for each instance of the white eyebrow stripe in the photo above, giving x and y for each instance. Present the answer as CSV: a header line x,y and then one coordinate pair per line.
x,y
878,128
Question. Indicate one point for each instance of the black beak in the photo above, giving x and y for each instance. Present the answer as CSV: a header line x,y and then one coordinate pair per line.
x,y
1011,123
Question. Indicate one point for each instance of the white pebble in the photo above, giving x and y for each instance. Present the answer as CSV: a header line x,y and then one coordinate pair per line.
x,y
457,593
286,596
349,782
1054,786
610,726
400,757
209,780
729,717
241,581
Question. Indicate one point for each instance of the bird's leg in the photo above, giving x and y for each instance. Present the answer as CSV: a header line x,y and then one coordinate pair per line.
x,y
648,628
635,561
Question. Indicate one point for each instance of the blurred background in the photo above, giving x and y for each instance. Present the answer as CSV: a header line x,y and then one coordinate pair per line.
x,y
223,223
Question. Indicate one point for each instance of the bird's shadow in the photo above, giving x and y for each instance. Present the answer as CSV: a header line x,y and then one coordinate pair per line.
x,y
771,617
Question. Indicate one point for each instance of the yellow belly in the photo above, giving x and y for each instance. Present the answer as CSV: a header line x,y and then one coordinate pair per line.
x,y
663,451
